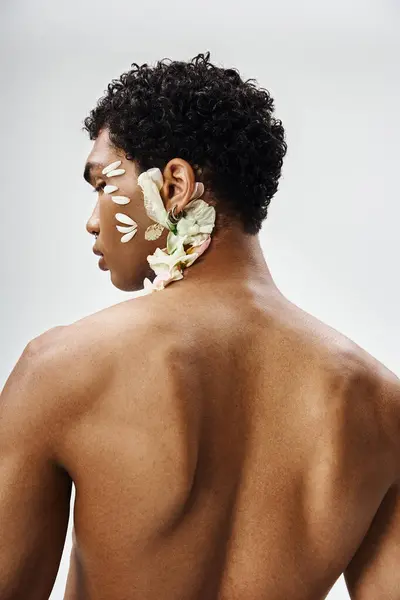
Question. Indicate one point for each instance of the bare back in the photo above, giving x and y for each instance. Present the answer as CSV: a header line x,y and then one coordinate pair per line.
x,y
234,453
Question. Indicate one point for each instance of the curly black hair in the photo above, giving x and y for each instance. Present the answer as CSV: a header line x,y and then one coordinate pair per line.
x,y
223,126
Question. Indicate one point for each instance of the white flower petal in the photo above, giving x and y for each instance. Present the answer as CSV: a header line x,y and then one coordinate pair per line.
x,y
198,222
116,172
161,261
147,283
193,229
153,203
200,210
109,189
153,232
156,175
184,225
173,242
191,258
126,229
112,166
198,190
122,218
197,240
147,286
120,199
128,236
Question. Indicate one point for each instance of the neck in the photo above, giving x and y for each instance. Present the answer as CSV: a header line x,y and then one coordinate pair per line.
x,y
232,255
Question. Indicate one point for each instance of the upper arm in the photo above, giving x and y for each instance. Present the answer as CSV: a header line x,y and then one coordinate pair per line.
x,y
34,491
374,571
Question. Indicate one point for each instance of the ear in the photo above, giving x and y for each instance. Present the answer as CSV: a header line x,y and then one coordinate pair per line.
x,y
179,184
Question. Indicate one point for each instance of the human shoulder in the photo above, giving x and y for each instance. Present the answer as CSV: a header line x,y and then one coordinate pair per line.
x,y
65,361
371,567
100,344
379,390
31,397
367,391
128,323
388,401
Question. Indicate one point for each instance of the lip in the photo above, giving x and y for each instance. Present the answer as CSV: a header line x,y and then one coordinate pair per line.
x,y
102,264
97,251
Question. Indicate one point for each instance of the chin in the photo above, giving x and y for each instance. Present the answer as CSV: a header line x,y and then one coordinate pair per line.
x,y
125,283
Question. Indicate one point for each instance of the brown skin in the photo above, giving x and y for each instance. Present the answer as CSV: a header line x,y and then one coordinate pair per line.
x,y
127,261
224,443
231,252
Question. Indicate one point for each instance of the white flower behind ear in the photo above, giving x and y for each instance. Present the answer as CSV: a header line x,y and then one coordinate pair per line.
x,y
167,267
151,182
197,224
160,261
193,228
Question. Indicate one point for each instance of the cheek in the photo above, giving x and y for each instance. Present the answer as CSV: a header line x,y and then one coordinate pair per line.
x,y
109,221
107,217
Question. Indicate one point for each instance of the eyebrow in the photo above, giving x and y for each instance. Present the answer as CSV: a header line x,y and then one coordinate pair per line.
x,y
87,174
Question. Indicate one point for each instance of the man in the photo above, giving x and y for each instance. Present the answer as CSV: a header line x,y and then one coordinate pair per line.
x,y
224,443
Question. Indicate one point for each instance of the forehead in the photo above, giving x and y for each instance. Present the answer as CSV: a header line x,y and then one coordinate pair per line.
x,y
102,151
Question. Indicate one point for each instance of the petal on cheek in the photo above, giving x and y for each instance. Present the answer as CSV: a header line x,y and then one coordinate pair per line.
x,y
112,166
120,199
115,172
122,218
127,229
109,189
128,236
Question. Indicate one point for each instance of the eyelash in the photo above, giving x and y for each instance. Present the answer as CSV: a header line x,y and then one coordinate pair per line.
x,y
97,189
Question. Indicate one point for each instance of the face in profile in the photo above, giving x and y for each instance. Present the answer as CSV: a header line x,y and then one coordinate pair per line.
x,y
119,217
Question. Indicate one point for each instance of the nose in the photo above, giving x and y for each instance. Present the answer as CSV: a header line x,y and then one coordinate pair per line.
x,y
93,223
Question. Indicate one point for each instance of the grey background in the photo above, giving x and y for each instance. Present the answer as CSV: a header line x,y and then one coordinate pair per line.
x,y
332,235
